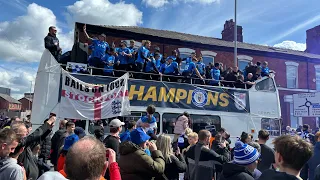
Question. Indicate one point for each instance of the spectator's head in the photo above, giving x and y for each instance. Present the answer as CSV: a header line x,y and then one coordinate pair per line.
x,y
204,137
164,145
188,131
258,63
62,124
255,145
156,49
102,37
8,142
222,131
217,65
291,152
263,135
20,129
250,75
151,109
265,64
132,43
123,44
246,155
79,131
192,138
245,138
258,70
99,133
28,125
235,69
71,126
147,44
186,114
132,125
317,136
69,141
288,128
18,150
139,137
305,127
86,159
169,60
116,126
52,30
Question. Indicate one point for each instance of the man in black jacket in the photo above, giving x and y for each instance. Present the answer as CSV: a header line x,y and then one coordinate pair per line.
x,y
51,42
29,142
57,142
201,154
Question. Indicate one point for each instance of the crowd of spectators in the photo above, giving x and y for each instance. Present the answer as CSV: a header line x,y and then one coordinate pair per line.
x,y
138,153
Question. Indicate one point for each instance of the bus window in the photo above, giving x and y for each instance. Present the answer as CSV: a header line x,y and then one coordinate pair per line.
x,y
168,122
134,116
200,122
271,125
266,85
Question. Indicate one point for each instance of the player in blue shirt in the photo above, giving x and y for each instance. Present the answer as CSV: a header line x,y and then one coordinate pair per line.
x,y
99,48
108,61
265,70
201,67
143,55
123,54
170,68
150,67
191,71
215,74
132,59
158,58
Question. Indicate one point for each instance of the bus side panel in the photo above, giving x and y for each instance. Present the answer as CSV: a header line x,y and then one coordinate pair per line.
x,y
264,104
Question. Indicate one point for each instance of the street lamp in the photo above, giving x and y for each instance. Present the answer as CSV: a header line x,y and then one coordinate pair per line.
x,y
235,34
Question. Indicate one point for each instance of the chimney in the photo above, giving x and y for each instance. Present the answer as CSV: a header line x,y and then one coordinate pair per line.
x,y
313,40
228,32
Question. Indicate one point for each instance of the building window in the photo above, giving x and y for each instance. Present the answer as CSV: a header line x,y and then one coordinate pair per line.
x,y
292,74
317,70
184,53
243,61
208,57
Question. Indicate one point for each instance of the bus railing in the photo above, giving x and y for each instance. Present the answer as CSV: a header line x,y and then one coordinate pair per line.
x,y
163,77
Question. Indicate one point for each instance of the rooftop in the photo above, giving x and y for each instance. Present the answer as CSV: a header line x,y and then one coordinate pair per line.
x,y
9,99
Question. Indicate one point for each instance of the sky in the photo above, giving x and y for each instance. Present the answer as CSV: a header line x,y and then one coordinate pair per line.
x,y
24,24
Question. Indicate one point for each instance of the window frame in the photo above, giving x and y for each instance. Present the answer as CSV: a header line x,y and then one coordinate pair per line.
x,y
317,68
243,58
185,51
209,54
290,64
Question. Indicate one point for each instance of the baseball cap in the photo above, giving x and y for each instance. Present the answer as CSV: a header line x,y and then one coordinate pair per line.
x,y
116,123
138,136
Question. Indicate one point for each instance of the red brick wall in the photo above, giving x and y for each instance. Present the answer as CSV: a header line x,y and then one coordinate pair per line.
x,y
25,104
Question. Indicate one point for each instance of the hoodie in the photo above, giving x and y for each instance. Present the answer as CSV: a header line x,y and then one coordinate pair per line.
x,y
274,175
52,175
10,169
233,171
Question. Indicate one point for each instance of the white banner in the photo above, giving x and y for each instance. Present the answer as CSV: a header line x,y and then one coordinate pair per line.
x,y
306,105
80,100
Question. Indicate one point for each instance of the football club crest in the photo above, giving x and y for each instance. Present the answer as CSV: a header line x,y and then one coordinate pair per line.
x,y
199,97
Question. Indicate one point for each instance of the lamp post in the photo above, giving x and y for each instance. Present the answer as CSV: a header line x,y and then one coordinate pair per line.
x,y
235,34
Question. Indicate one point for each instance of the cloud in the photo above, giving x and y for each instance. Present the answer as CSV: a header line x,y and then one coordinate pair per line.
x,y
103,12
161,3
155,3
22,39
18,78
291,45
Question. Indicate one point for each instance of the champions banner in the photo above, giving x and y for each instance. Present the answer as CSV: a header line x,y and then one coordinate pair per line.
x,y
83,100
184,96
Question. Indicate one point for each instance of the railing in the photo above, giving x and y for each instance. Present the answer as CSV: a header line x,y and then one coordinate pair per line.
x,y
166,78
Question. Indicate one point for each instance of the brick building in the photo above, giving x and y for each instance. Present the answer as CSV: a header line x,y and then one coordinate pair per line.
x,y
296,71
26,102
9,106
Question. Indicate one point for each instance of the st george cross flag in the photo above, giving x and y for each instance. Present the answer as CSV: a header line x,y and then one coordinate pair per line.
x,y
80,100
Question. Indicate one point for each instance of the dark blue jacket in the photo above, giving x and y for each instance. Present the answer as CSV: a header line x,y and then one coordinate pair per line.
x,y
314,161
